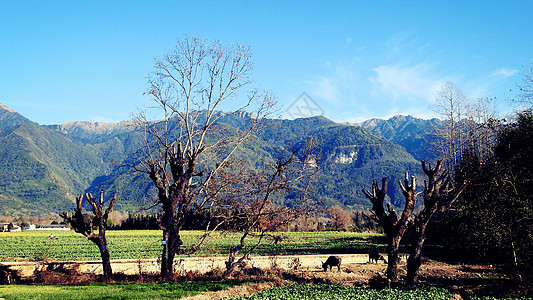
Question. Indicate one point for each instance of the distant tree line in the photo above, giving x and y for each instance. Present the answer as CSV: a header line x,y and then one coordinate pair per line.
x,y
335,218
136,221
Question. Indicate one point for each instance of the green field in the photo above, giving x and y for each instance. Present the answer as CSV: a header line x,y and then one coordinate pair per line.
x,y
167,290
135,244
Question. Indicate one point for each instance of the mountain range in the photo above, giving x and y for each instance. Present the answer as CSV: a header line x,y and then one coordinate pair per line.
x,y
44,167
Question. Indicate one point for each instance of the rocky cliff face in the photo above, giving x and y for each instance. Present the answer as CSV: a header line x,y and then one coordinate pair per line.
x,y
95,127
345,156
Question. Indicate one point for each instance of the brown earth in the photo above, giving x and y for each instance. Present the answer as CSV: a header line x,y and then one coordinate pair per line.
x,y
462,280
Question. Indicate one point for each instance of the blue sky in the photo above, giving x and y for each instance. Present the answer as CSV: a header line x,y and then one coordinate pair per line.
x,y
88,60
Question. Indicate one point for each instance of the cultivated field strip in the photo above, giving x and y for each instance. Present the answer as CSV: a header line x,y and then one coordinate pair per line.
x,y
136,244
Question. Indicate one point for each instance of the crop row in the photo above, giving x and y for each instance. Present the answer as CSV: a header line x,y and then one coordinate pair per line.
x,y
134,244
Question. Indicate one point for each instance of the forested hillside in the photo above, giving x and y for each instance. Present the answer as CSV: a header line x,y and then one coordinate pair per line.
x,y
45,167
411,133
42,170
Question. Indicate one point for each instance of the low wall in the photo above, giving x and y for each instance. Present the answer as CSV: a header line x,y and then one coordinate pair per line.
x,y
202,264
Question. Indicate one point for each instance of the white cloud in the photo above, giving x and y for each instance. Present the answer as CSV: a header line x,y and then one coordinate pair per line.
x,y
406,83
505,72
326,88
338,85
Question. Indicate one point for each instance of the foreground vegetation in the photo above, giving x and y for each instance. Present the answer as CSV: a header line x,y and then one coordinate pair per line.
x,y
329,291
171,290
135,244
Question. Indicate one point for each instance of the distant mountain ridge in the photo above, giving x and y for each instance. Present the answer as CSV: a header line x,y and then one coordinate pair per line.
x,y
407,131
9,118
46,167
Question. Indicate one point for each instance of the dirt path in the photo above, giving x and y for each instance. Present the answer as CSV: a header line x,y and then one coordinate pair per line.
x,y
462,280
237,291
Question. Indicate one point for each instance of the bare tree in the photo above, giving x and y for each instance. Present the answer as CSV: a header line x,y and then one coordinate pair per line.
x,y
256,211
451,104
190,143
439,195
85,224
340,218
525,94
393,226
468,125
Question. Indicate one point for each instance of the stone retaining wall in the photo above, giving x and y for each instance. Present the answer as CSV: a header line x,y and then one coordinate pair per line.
x,y
202,264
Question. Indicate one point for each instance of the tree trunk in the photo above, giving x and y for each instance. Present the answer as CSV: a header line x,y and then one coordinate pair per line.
x,y
230,263
81,225
392,266
104,250
106,260
170,242
166,259
101,242
415,258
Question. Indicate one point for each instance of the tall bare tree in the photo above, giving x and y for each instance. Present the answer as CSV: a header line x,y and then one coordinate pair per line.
x,y
393,226
525,93
85,224
439,195
468,125
190,143
451,105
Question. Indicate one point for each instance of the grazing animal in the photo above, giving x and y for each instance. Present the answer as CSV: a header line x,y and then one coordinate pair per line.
x,y
374,256
332,261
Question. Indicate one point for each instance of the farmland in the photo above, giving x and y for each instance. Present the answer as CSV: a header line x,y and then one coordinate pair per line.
x,y
135,244
171,290
35,245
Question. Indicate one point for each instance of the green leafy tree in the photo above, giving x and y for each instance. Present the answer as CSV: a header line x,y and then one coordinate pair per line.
x,y
493,219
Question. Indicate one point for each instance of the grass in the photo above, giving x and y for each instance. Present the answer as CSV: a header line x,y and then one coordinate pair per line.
x,y
135,244
172,290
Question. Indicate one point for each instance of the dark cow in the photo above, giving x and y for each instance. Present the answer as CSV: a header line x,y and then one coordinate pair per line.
x,y
374,256
332,261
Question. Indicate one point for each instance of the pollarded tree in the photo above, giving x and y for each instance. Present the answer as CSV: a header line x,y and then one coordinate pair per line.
x,y
439,195
190,143
393,226
85,224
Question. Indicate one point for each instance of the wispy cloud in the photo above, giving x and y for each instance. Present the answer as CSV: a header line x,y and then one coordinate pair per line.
x,y
406,82
505,72
326,88
337,85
